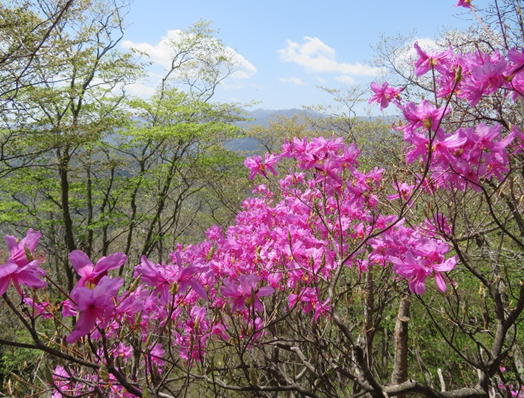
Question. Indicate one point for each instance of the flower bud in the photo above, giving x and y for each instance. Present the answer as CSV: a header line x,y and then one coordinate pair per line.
x,y
253,375
122,333
174,288
197,324
48,375
103,373
458,74
138,317
211,252
134,285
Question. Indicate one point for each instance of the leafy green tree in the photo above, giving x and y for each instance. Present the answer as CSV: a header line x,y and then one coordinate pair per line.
x,y
98,171
180,169
63,110
101,171
177,157
24,36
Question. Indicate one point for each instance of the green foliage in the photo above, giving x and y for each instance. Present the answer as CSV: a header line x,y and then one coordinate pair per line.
x,y
93,168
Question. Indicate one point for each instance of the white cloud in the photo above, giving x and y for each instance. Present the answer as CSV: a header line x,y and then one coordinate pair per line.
x,y
317,57
159,53
234,86
162,53
292,80
245,68
140,90
345,79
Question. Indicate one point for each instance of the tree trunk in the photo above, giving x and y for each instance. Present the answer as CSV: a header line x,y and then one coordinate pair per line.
x,y
63,170
400,366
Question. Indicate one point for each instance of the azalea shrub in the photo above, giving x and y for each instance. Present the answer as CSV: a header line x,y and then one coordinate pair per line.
x,y
315,289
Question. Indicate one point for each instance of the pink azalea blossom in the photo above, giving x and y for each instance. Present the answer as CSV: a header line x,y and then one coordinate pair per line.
x,y
464,3
157,353
68,309
423,115
433,60
162,277
417,269
93,305
22,268
404,192
42,308
309,300
156,276
256,165
487,75
123,351
242,293
91,274
21,251
384,94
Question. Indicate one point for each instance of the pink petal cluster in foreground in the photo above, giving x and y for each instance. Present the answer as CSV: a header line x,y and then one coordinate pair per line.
x,y
22,267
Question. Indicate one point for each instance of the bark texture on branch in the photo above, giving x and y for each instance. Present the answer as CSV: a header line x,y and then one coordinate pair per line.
x,y
400,365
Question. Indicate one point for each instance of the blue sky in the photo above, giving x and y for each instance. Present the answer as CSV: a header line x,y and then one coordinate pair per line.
x,y
290,47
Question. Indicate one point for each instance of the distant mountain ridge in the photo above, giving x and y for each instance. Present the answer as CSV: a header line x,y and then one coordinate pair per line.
x,y
263,116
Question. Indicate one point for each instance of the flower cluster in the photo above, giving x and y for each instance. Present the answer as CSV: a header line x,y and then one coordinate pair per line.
x,y
290,240
22,267
467,156
293,238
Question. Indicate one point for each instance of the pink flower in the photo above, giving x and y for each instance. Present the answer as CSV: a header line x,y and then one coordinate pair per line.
x,y
68,309
309,299
161,277
384,94
218,329
91,274
42,308
214,233
21,251
29,275
404,192
423,115
485,78
418,268
156,276
157,353
413,269
349,157
22,268
432,60
257,167
94,305
123,351
186,277
243,293
464,3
